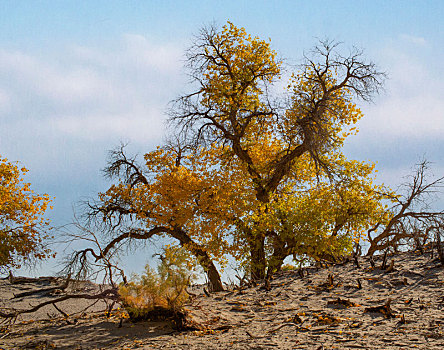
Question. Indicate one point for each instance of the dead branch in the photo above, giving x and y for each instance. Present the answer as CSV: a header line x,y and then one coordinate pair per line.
x,y
391,267
43,290
18,280
411,222
341,303
383,309
384,261
60,310
110,294
274,330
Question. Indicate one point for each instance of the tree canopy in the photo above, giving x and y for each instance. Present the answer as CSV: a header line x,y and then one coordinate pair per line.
x,y
23,227
272,139
251,174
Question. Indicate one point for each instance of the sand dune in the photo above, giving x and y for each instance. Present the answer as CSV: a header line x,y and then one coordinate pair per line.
x,y
336,307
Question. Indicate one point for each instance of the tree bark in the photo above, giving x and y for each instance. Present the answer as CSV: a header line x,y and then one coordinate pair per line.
x,y
202,256
185,240
257,255
280,252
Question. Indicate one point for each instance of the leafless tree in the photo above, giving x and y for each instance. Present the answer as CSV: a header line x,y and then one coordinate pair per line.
x,y
412,221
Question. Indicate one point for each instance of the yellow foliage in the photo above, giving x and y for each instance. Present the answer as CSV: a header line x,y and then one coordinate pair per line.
x,y
235,61
22,224
164,289
263,178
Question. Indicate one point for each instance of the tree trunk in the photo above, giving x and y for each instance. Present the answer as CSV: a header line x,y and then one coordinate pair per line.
x,y
280,252
203,257
257,255
213,277
439,247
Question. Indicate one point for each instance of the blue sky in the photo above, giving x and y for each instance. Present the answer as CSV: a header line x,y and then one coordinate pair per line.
x,y
79,77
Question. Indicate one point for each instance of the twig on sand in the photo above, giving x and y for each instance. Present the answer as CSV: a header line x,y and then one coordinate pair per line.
x,y
383,309
282,326
5,335
253,336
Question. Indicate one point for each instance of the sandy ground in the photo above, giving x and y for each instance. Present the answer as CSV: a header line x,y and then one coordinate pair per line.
x,y
324,309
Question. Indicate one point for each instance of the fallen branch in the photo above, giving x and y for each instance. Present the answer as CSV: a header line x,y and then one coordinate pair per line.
x,y
252,335
282,326
60,310
341,302
391,267
383,309
111,294
43,290
16,280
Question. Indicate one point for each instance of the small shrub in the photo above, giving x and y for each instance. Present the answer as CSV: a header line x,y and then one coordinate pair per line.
x,y
160,294
288,267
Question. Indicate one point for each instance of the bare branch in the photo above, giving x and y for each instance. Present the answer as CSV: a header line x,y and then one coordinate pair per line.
x,y
408,220
111,294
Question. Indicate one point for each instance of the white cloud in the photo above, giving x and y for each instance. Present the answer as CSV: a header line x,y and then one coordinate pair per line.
x,y
111,92
412,105
420,117
416,40
136,126
49,79
143,54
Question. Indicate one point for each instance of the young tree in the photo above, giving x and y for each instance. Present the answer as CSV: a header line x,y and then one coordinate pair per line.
x,y
23,228
231,106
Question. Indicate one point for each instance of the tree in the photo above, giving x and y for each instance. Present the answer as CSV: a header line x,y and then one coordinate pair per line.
x,y
410,221
170,195
231,106
327,219
245,176
23,228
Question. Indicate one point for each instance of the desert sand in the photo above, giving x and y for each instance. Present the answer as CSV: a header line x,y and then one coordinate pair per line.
x,y
341,306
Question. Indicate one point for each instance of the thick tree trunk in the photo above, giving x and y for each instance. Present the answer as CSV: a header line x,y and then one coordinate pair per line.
x,y
280,252
203,257
213,277
257,255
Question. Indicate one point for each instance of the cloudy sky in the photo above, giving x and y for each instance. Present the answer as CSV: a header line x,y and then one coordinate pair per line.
x,y
79,77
